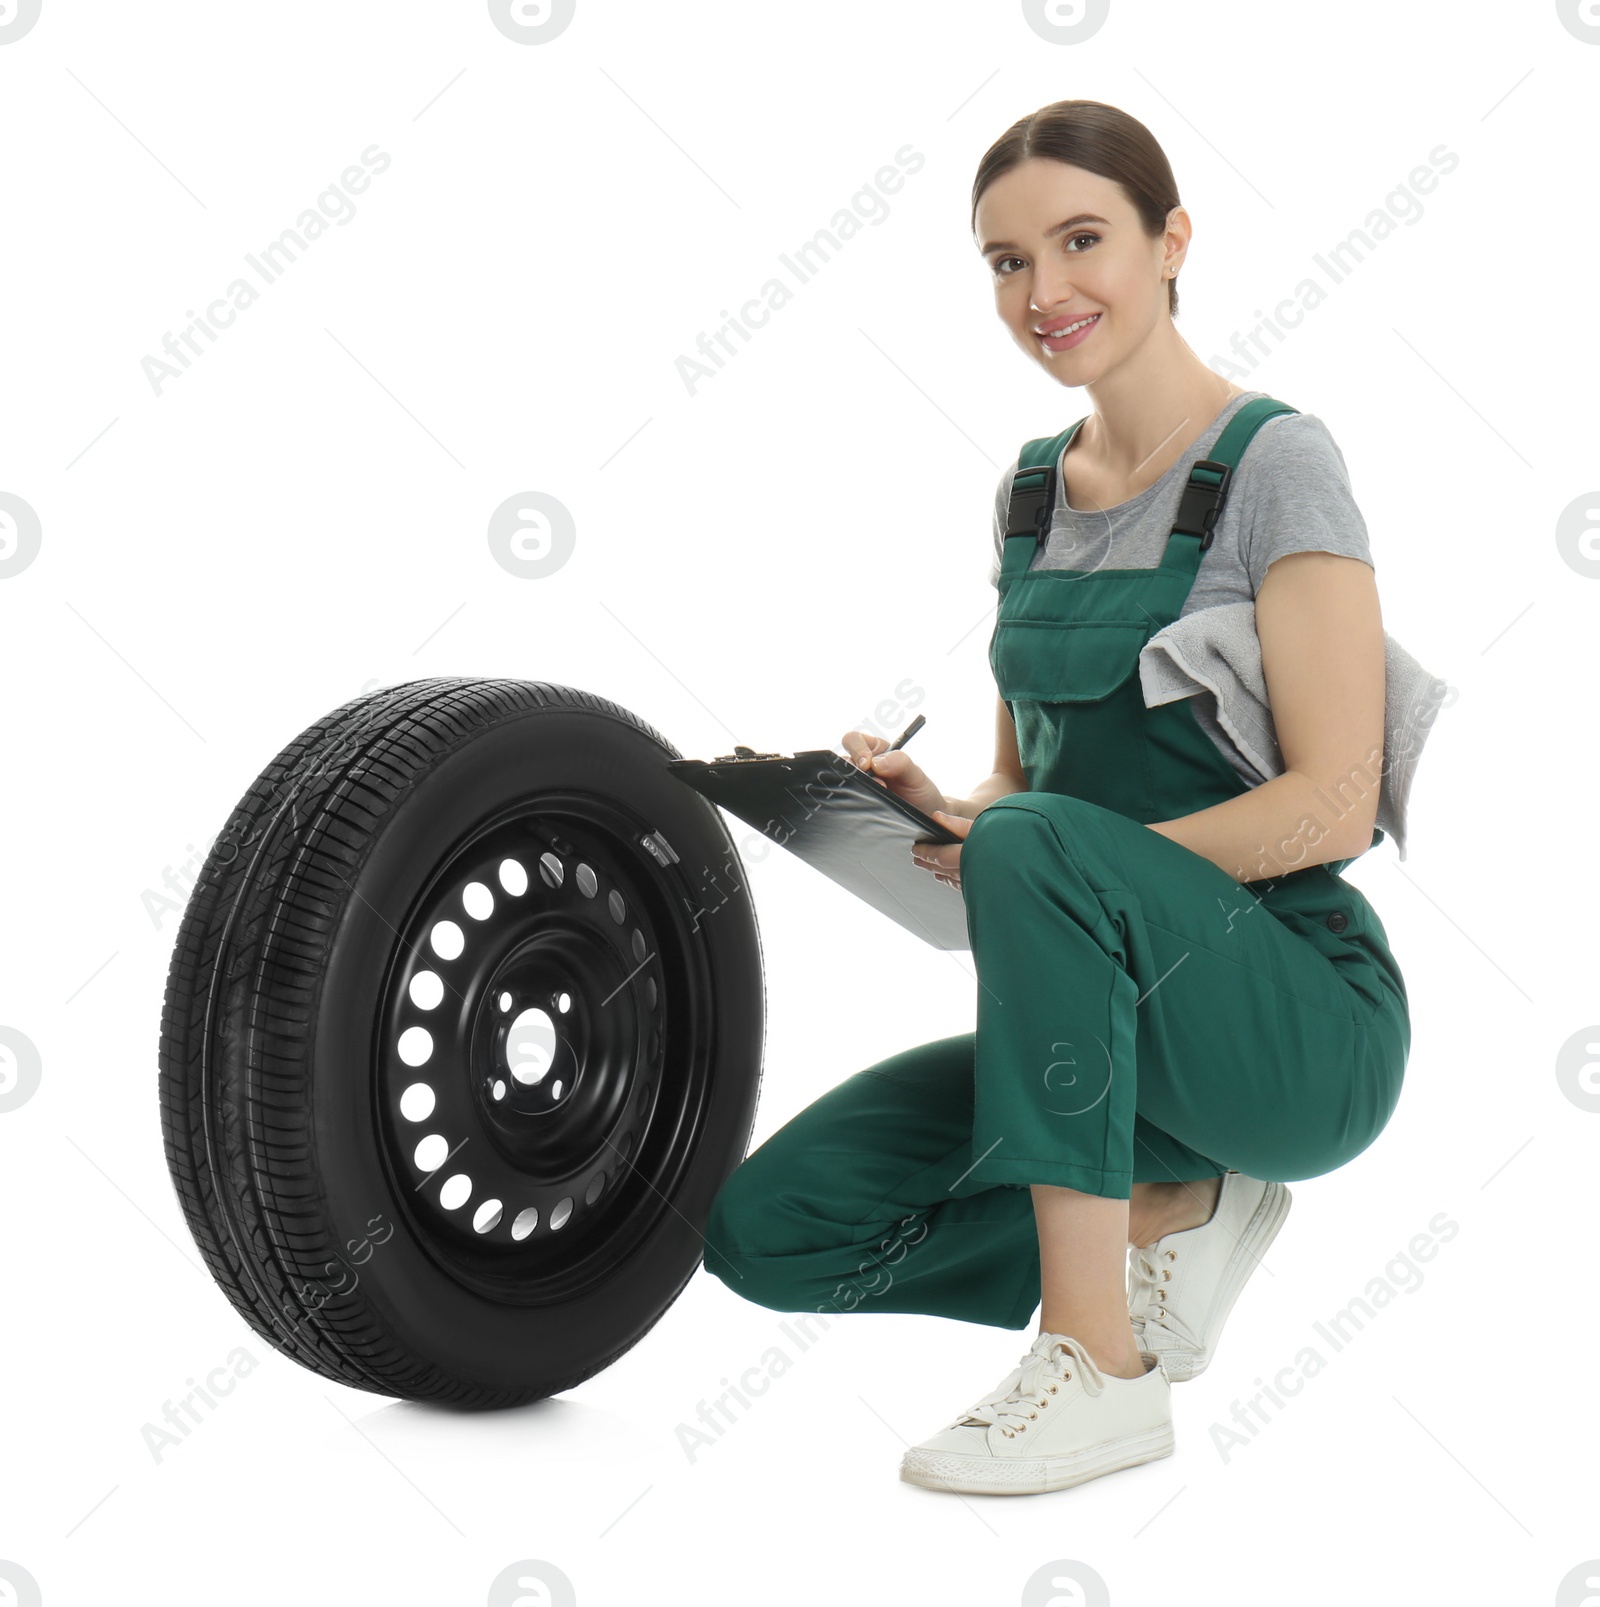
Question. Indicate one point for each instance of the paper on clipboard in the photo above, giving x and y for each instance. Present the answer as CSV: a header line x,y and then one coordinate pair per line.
x,y
843,822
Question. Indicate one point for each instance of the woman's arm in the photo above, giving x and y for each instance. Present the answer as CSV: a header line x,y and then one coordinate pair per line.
x,y
1007,777
1321,633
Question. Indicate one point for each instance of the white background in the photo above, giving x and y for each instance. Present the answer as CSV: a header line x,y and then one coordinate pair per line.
x,y
303,513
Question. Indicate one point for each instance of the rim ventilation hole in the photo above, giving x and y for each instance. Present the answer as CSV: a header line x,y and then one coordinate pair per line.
x,y
650,991
625,1145
456,1191
555,1089
592,1193
416,1103
563,1002
619,910
563,1209
638,945
426,990
588,882
416,1044
487,1216
513,877
525,1223
550,870
499,1089
505,1001
448,940
432,1152
477,900
531,1047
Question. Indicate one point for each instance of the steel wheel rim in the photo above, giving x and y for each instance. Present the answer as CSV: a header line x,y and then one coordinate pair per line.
x,y
577,1125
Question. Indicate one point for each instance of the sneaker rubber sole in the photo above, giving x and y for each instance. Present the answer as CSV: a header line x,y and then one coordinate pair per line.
x,y
1034,1475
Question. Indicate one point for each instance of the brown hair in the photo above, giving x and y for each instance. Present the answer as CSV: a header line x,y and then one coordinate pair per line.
x,y
1100,139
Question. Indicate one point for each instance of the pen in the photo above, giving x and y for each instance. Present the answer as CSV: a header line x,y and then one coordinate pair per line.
x,y
909,732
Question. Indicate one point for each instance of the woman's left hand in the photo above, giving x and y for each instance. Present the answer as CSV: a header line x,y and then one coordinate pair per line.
x,y
944,859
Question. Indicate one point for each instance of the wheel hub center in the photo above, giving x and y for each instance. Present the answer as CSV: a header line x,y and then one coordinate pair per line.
x,y
534,1065
556,1038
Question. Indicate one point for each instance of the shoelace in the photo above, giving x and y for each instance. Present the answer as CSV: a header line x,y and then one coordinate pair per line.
x,y
1149,1268
1049,1361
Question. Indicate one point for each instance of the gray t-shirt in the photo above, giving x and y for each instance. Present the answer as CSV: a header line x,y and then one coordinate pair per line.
x,y
1290,493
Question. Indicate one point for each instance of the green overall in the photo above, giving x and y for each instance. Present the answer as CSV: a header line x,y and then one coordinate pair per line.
x,y
1142,1015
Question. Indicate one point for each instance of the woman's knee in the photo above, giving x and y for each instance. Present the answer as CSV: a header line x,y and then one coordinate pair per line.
x,y
1008,833
795,1210
733,1217
749,1220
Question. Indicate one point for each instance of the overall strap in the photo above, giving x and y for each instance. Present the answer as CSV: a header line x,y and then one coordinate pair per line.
x,y
1033,486
1200,507
1033,501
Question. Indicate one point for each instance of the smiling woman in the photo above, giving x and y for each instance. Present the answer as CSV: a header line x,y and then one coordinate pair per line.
x,y
1165,1034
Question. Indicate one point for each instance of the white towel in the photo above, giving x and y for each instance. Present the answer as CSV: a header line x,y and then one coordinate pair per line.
x,y
1216,651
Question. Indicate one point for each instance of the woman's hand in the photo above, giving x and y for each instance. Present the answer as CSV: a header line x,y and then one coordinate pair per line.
x,y
896,769
944,859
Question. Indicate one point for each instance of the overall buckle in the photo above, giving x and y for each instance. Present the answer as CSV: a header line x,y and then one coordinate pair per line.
x,y
1202,503
1031,505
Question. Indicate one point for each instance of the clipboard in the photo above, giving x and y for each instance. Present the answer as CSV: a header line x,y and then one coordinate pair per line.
x,y
843,822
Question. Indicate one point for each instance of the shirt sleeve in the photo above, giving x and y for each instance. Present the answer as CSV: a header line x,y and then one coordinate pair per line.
x,y
1301,499
1002,507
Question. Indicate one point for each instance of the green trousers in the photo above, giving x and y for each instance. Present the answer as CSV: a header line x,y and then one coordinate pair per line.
x,y
1141,1016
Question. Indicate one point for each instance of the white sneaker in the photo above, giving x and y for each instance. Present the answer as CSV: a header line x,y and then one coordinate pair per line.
x,y
1182,1287
1057,1421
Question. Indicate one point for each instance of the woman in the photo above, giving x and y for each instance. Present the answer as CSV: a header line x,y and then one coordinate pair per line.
x,y
1181,1003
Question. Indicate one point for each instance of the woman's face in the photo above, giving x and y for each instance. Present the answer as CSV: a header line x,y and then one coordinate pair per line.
x,y
1064,245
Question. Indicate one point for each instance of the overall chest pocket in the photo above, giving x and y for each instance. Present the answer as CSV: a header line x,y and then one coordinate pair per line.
x,y
1064,661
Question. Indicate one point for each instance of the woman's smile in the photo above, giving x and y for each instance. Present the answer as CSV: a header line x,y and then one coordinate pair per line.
x,y
1070,335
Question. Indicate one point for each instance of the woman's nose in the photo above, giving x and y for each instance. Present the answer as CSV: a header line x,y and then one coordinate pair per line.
x,y
1052,292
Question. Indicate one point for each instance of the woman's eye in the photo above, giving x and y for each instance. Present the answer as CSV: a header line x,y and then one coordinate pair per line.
x,y
1093,239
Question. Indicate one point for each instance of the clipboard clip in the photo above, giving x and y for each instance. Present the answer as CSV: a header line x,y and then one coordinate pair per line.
x,y
741,752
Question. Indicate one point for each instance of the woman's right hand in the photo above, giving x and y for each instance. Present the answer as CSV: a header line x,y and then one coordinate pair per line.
x,y
896,769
